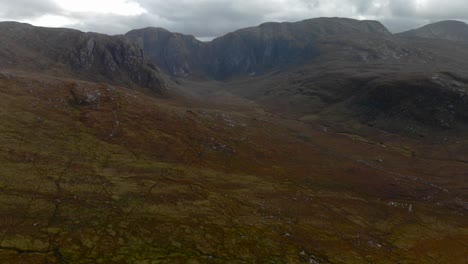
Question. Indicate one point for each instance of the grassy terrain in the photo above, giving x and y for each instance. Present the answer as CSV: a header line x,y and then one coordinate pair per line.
x,y
92,173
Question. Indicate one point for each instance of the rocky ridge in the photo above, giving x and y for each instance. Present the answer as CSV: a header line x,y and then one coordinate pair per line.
x,y
67,52
248,51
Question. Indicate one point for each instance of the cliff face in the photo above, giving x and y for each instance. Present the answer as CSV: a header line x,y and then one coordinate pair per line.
x,y
115,58
173,52
66,52
246,51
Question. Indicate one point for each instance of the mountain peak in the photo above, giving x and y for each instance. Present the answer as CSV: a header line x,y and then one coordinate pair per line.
x,y
448,29
250,50
325,26
367,26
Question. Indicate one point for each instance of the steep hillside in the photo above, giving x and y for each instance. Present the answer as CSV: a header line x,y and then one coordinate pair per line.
x,y
420,101
276,45
247,51
66,52
337,70
448,30
177,54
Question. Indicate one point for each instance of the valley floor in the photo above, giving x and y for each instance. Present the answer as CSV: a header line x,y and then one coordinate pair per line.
x,y
92,173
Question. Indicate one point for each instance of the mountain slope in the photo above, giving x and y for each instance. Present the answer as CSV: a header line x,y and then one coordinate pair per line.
x,y
93,173
414,100
173,52
66,52
247,51
448,30
338,70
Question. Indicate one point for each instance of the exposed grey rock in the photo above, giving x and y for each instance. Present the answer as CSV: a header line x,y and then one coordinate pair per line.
x,y
6,75
248,51
89,56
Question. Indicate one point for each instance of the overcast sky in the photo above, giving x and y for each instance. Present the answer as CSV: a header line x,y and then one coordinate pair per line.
x,y
209,18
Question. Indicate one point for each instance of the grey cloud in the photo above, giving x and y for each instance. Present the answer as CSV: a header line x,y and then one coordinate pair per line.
x,y
208,18
113,24
456,9
26,9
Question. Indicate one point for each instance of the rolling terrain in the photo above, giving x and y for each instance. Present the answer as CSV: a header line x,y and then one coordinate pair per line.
x,y
96,173
357,154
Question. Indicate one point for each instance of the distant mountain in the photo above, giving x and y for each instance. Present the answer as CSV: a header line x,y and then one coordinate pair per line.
x,y
333,69
449,30
71,53
343,70
247,51
173,52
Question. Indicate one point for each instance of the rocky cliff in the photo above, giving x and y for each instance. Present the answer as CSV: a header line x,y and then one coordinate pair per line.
x,y
66,52
248,51
173,52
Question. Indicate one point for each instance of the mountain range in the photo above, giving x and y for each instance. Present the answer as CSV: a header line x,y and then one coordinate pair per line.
x,y
328,140
450,30
347,64
332,68
246,51
260,49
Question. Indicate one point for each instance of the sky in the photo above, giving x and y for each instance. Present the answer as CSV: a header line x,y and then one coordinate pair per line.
x,y
206,19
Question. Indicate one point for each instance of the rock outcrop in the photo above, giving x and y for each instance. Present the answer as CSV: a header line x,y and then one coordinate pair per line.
x,y
67,52
248,51
173,52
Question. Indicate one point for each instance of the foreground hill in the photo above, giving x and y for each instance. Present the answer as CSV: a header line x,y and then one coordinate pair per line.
x,y
71,53
93,173
448,30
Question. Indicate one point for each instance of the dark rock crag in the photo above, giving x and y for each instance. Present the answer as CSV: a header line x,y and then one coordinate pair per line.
x,y
71,53
248,51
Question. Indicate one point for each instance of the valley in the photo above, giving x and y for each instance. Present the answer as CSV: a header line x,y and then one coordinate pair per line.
x,y
358,155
